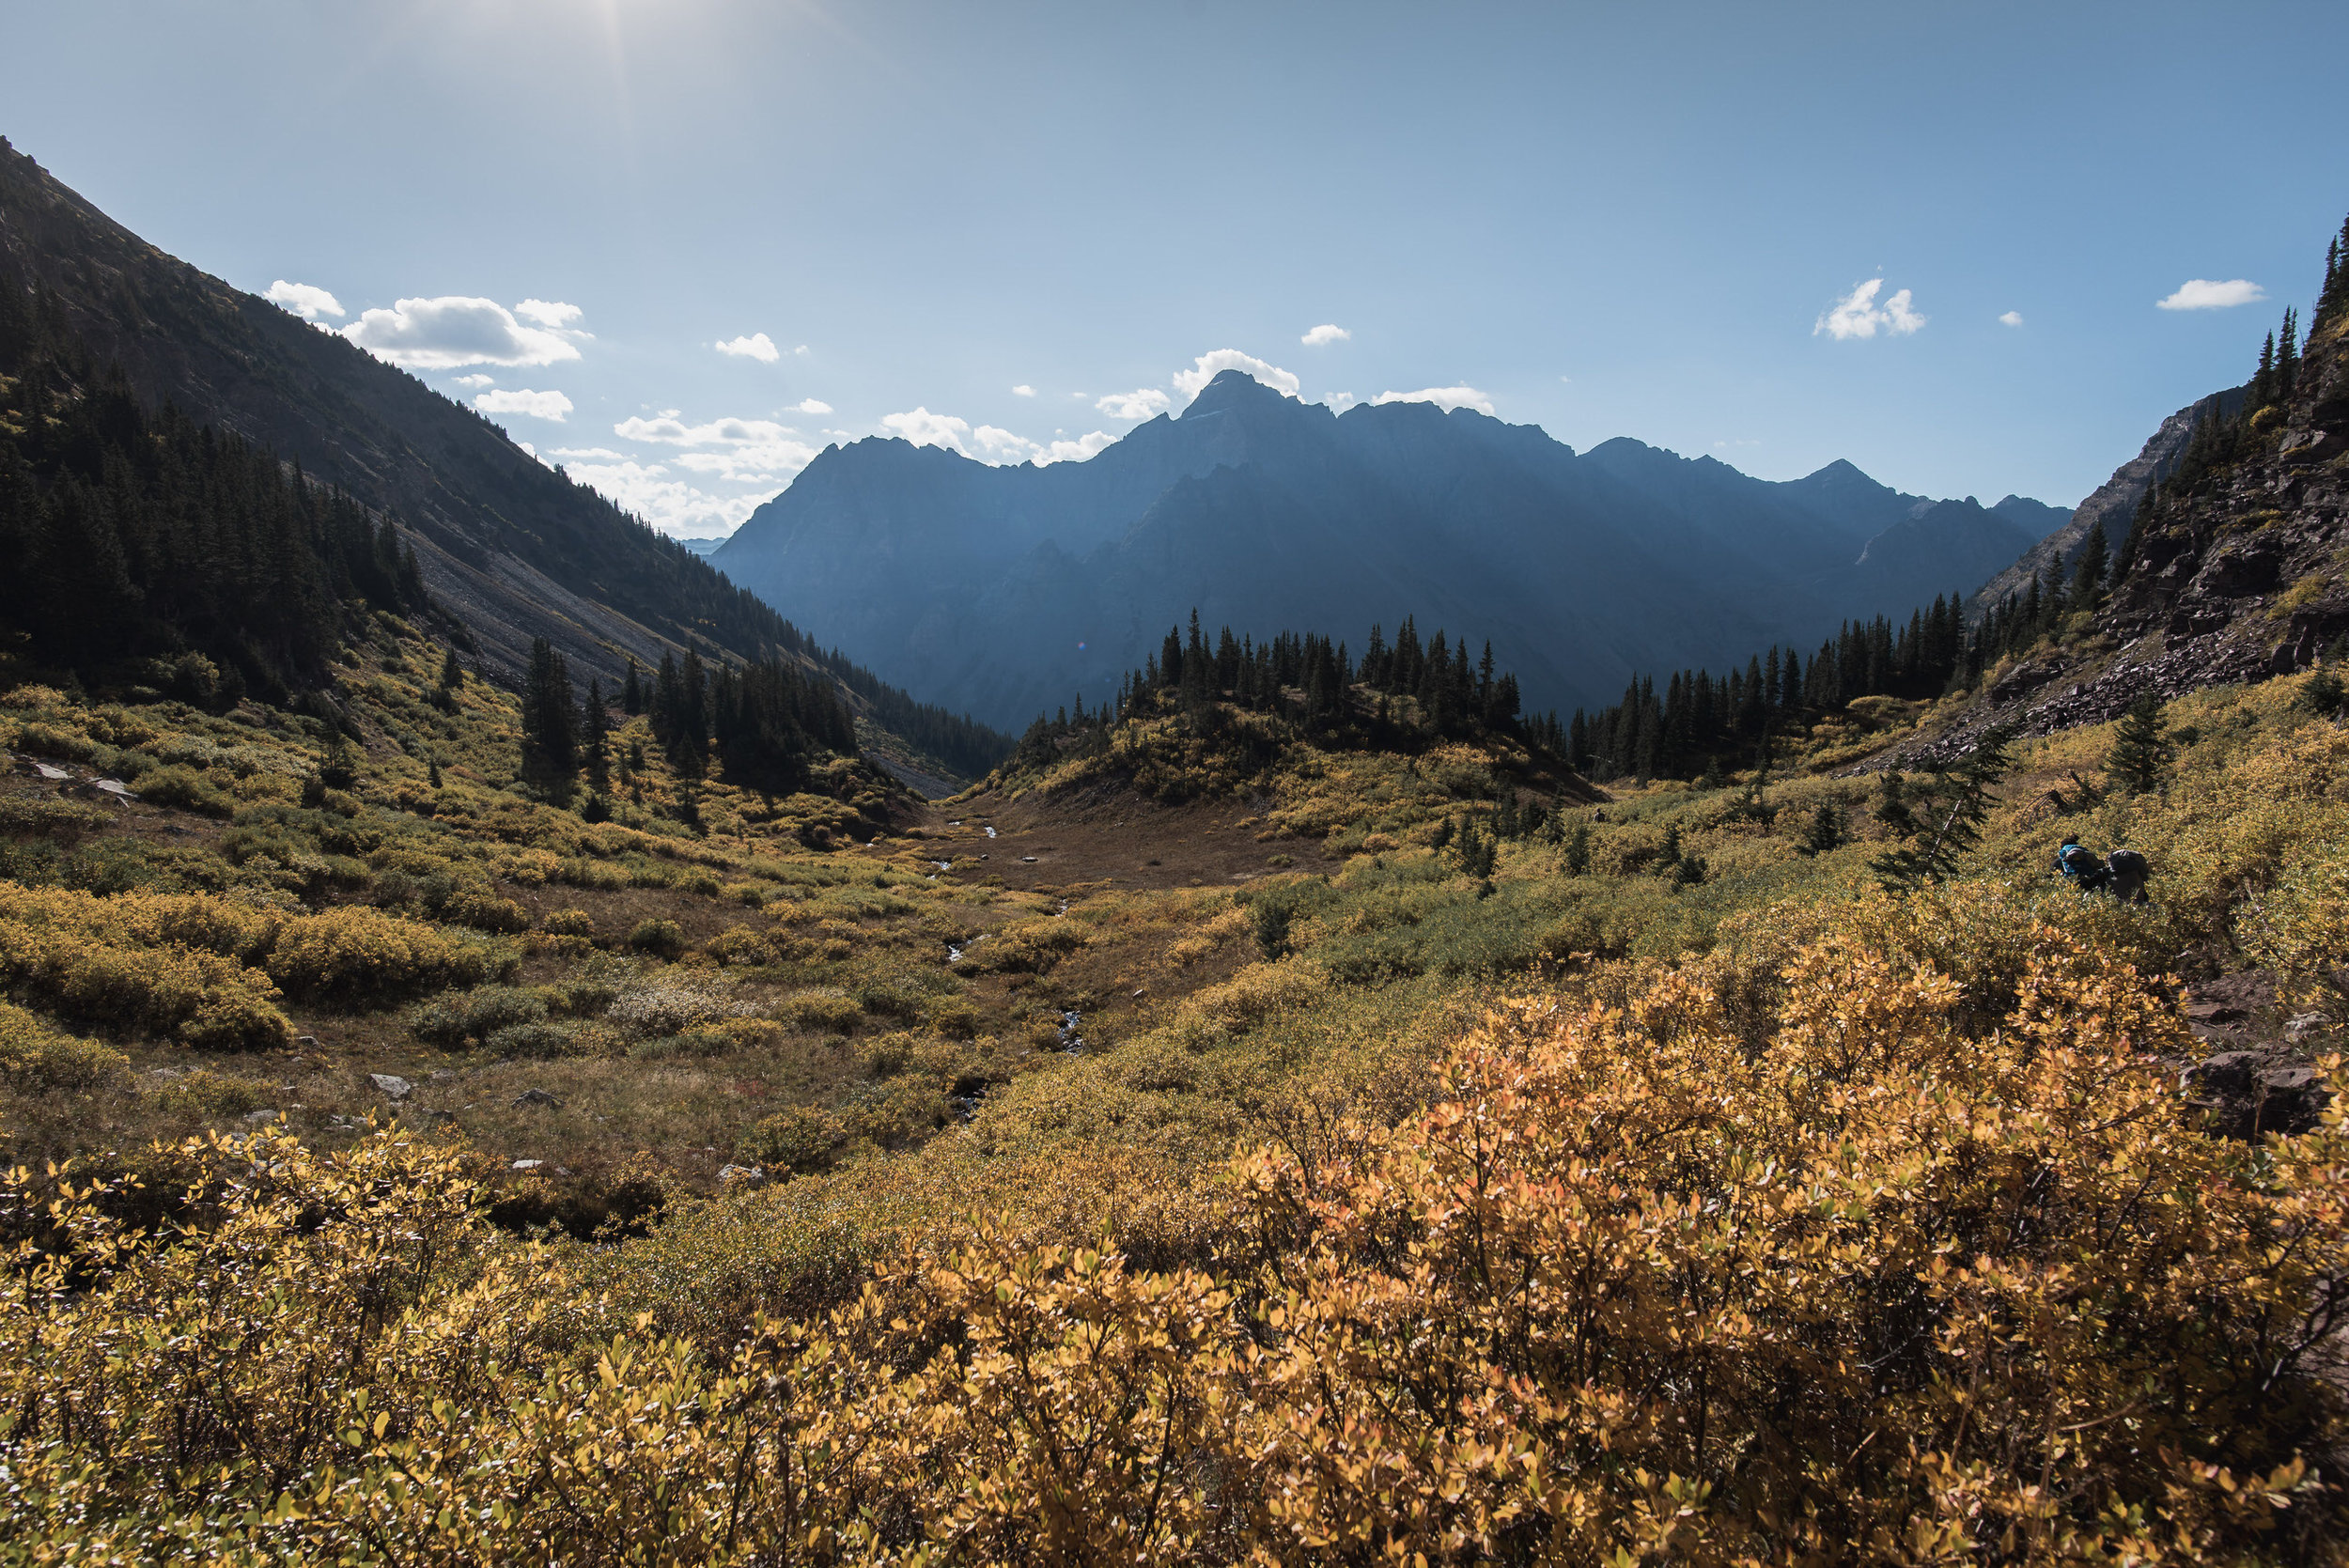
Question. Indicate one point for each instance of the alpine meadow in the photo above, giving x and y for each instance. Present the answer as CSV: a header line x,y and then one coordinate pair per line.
x,y
1327,979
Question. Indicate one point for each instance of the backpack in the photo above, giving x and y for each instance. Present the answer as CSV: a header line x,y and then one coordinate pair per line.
x,y
2129,870
2079,863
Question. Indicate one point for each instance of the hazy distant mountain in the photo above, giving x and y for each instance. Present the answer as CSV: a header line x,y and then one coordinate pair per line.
x,y
1010,589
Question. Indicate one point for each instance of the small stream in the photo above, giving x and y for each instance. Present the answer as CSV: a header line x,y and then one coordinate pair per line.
x,y
1071,1043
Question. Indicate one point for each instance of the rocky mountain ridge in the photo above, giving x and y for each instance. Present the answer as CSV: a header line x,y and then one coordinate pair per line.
x,y
2238,571
1010,589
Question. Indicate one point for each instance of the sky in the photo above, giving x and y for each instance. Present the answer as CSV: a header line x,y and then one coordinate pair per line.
x,y
680,246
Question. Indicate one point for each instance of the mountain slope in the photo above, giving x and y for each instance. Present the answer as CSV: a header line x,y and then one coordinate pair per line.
x,y
2114,503
1011,590
512,549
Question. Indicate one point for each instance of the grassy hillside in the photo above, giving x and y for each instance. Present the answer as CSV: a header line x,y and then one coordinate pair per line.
x,y
1270,1146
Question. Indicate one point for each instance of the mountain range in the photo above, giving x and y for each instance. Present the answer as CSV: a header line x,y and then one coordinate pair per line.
x,y
1006,591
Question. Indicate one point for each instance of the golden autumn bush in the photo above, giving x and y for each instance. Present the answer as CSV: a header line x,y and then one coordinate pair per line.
x,y
1897,1286
33,1056
353,957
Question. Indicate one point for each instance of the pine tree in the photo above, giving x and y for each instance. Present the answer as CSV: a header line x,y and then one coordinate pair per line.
x,y
597,732
432,771
1826,831
1940,817
2088,579
1578,851
2143,748
632,693
550,725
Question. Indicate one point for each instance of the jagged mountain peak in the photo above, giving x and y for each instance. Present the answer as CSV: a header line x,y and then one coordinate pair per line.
x,y
1263,510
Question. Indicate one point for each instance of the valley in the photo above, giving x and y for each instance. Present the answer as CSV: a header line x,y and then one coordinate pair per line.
x,y
513,1051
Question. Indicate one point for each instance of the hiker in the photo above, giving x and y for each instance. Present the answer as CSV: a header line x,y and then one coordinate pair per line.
x,y
2078,864
2127,871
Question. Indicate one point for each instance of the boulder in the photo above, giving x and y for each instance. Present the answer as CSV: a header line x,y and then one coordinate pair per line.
x,y
537,1096
394,1087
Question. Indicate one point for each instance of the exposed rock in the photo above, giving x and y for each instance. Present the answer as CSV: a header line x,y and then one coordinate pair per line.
x,y
527,1164
2113,505
537,1096
741,1176
394,1087
2253,1092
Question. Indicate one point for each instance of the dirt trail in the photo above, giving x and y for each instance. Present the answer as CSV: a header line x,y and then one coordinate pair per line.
x,y
1102,835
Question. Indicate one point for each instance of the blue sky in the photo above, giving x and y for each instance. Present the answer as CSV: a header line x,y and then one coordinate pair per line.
x,y
1605,220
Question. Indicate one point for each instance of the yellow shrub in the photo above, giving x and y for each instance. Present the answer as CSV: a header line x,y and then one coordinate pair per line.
x,y
33,1056
353,957
198,998
740,944
822,1009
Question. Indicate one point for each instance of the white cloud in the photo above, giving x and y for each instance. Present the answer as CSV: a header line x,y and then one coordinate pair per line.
x,y
801,350
548,313
1858,315
1328,332
673,505
305,300
1076,451
2209,294
476,380
538,405
593,454
1207,367
1141,403
1340,401
758,346
745,451
1444,397
453,330
2012,318
925,428
999,445
810,405
1023,390
670,431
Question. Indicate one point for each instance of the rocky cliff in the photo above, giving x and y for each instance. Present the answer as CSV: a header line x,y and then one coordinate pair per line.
x,y
2238,573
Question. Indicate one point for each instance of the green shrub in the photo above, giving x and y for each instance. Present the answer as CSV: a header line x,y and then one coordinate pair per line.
x,y
209,1097
569,923
45,817
451,1020
663,939
534,1041
187,788
33,1056
801,1140
483,910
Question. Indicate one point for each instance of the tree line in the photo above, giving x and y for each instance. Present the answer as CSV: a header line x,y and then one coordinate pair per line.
x,y
129,537
588,544
1398,695
764,724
